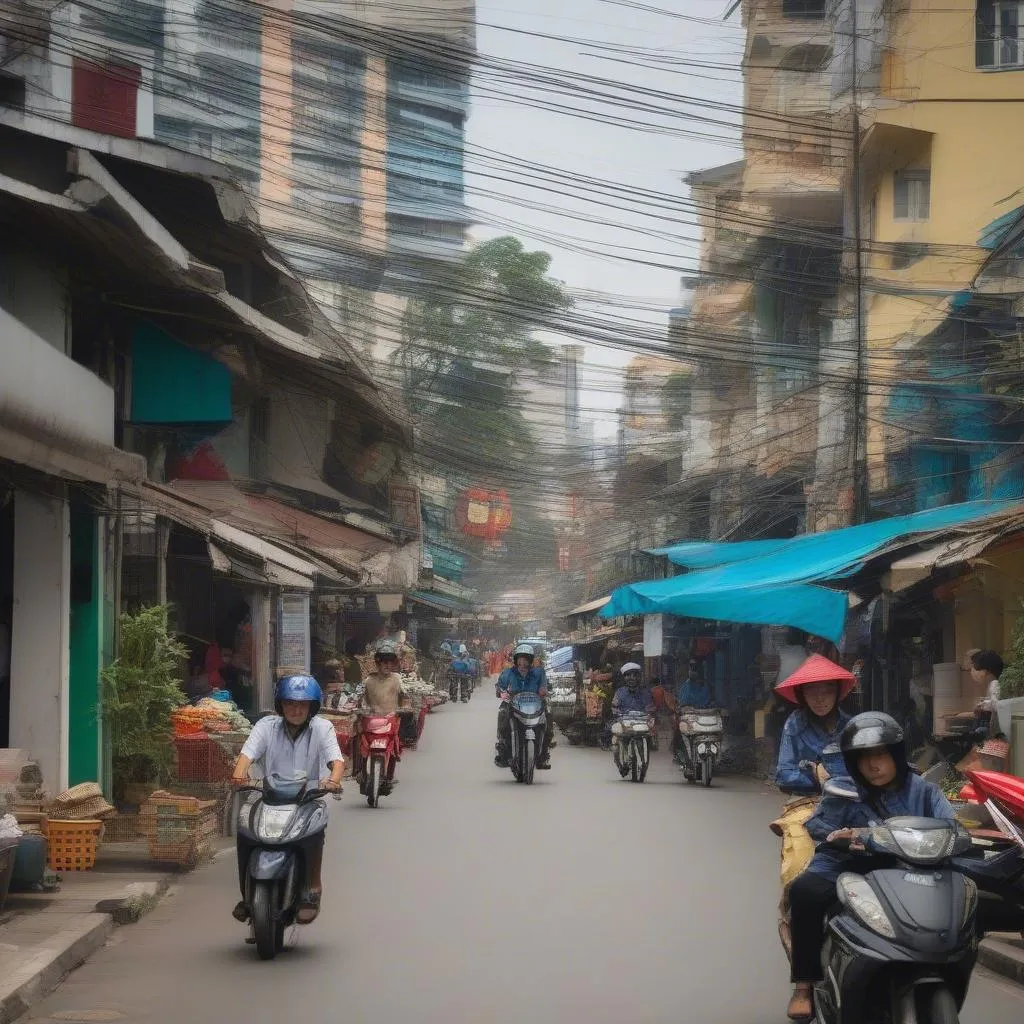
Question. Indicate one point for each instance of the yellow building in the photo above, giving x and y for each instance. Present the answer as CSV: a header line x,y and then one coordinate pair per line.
x,y
942,90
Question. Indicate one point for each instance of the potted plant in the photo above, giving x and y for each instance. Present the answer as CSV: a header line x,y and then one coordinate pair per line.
x,y
140,691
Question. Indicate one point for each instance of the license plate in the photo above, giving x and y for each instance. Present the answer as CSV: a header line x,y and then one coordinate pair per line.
x,y
378,744
915,879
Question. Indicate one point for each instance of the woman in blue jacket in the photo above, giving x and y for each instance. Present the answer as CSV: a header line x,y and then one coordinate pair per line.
x,y
816,688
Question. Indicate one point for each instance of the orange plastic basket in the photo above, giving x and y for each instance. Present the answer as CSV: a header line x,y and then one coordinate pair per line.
x,y
72,845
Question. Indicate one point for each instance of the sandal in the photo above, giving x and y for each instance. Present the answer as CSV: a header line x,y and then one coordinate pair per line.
x,y
241,912
309,907
801,1004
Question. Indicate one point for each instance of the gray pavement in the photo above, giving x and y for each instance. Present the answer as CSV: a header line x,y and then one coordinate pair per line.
x,y
468,898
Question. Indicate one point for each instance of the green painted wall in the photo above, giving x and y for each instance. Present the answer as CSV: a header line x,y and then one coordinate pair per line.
x,y
86,649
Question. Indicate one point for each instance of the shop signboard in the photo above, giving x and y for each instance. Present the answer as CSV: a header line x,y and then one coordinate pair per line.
x,y
652,636
292,633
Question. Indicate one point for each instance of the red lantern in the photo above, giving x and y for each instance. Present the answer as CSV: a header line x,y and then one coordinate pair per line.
x,y
482,513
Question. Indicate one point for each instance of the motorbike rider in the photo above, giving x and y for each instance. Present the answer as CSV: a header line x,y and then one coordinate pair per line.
x,y
293,740
633,695
523,677
875,755
383,693
694,693
816,688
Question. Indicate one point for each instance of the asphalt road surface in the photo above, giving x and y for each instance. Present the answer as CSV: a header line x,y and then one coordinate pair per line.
x,y
467,898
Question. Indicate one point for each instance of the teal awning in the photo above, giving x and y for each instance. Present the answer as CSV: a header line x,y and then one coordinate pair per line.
x,y
441,602
773,582
175,384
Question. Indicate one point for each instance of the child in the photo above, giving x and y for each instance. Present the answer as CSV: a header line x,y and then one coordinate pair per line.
x,y
876,759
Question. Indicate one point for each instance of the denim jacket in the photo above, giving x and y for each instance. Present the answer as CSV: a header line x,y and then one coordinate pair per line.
x,y
916,798
803,741
511,681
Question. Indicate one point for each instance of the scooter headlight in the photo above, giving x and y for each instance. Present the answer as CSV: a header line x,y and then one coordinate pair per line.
x,y
273,821
855,893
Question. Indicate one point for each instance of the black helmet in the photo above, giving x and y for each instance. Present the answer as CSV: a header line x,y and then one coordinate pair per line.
x,y
868,731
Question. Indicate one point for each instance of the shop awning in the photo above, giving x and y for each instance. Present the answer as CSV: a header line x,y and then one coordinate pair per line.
x,y
774,582
919,566
440,602
590,606
817,610
830,554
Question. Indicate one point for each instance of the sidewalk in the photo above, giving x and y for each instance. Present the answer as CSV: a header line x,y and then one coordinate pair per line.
x,y
44,936
1003,955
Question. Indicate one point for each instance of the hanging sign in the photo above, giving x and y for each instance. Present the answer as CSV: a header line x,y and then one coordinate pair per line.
x,y
652,636
292,634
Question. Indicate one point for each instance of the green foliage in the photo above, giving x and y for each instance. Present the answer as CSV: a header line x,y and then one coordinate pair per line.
x,y
463,343
1011,682
140,690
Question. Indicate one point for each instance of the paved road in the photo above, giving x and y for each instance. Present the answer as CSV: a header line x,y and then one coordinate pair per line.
x,y
466,898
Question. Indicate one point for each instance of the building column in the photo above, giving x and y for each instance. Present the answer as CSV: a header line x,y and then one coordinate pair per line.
x,y
373,155
39,637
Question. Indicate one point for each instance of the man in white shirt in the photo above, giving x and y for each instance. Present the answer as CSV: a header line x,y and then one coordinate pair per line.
x,y
292,741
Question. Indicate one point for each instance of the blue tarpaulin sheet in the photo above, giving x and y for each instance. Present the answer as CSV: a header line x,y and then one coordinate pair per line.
x,y
772,582
560,658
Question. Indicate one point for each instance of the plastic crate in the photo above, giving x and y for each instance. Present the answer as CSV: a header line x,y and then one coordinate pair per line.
x,y
200,759
73,844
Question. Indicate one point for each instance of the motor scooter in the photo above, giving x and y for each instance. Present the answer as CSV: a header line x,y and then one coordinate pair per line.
x,y
379,752
527,724
631,744
700,732
901,946
276,824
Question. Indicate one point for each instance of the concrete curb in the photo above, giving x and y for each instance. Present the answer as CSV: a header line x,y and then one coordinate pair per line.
x,y
1000,957
52,962
86,933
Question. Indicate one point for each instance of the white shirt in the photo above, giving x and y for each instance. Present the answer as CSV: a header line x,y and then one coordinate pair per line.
x,y
991,697
311,752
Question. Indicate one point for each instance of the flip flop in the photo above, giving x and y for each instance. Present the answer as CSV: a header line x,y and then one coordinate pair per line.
x,y
309,907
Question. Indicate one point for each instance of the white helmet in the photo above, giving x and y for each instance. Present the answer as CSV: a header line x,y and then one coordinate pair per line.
x,y
631,666
526,649
463,649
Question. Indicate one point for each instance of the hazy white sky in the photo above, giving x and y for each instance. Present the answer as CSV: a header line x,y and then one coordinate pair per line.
x,y
631,41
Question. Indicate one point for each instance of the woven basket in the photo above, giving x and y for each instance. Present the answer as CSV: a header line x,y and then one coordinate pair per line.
x,y
72,845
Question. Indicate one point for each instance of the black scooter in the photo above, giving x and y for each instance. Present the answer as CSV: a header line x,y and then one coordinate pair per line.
x,y
901,946
278,822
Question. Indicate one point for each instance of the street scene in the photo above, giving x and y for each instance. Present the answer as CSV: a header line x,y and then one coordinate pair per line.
x,y
511,511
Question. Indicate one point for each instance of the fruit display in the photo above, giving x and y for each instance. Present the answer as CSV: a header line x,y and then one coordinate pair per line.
x,y
209,717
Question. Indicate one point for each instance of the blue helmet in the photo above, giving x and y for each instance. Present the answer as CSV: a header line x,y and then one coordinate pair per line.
x,y
298,688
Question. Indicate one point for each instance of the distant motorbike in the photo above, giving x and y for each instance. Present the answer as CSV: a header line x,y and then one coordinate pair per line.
x,y
700,732
284,815
528,722
379,749
460,686
631,744
901,946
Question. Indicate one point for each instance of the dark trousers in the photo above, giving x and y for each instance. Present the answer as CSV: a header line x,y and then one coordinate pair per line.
x,y
505,736
246,846
810,898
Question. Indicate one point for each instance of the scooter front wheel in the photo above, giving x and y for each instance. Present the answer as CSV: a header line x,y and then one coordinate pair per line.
x,y
373,783
707,769
269,936
939,1007
529,761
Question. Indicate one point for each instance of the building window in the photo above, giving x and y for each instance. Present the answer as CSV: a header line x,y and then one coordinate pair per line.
x,y
998,41
803,8
911,195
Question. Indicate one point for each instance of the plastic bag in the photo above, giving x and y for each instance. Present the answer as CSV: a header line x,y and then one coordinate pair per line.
x,y
797,845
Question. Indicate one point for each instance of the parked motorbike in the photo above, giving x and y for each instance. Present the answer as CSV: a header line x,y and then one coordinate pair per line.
x,y
460,686
701,732
284,815
997,868
528,723
631,744
379,750
901,946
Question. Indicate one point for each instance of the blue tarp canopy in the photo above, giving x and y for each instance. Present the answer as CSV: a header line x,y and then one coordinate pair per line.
x,y
771,582
560,658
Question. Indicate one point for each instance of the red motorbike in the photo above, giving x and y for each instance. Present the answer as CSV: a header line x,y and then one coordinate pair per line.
x,y
380,751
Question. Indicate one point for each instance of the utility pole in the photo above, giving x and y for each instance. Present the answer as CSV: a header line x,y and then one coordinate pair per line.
x,y
861,489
